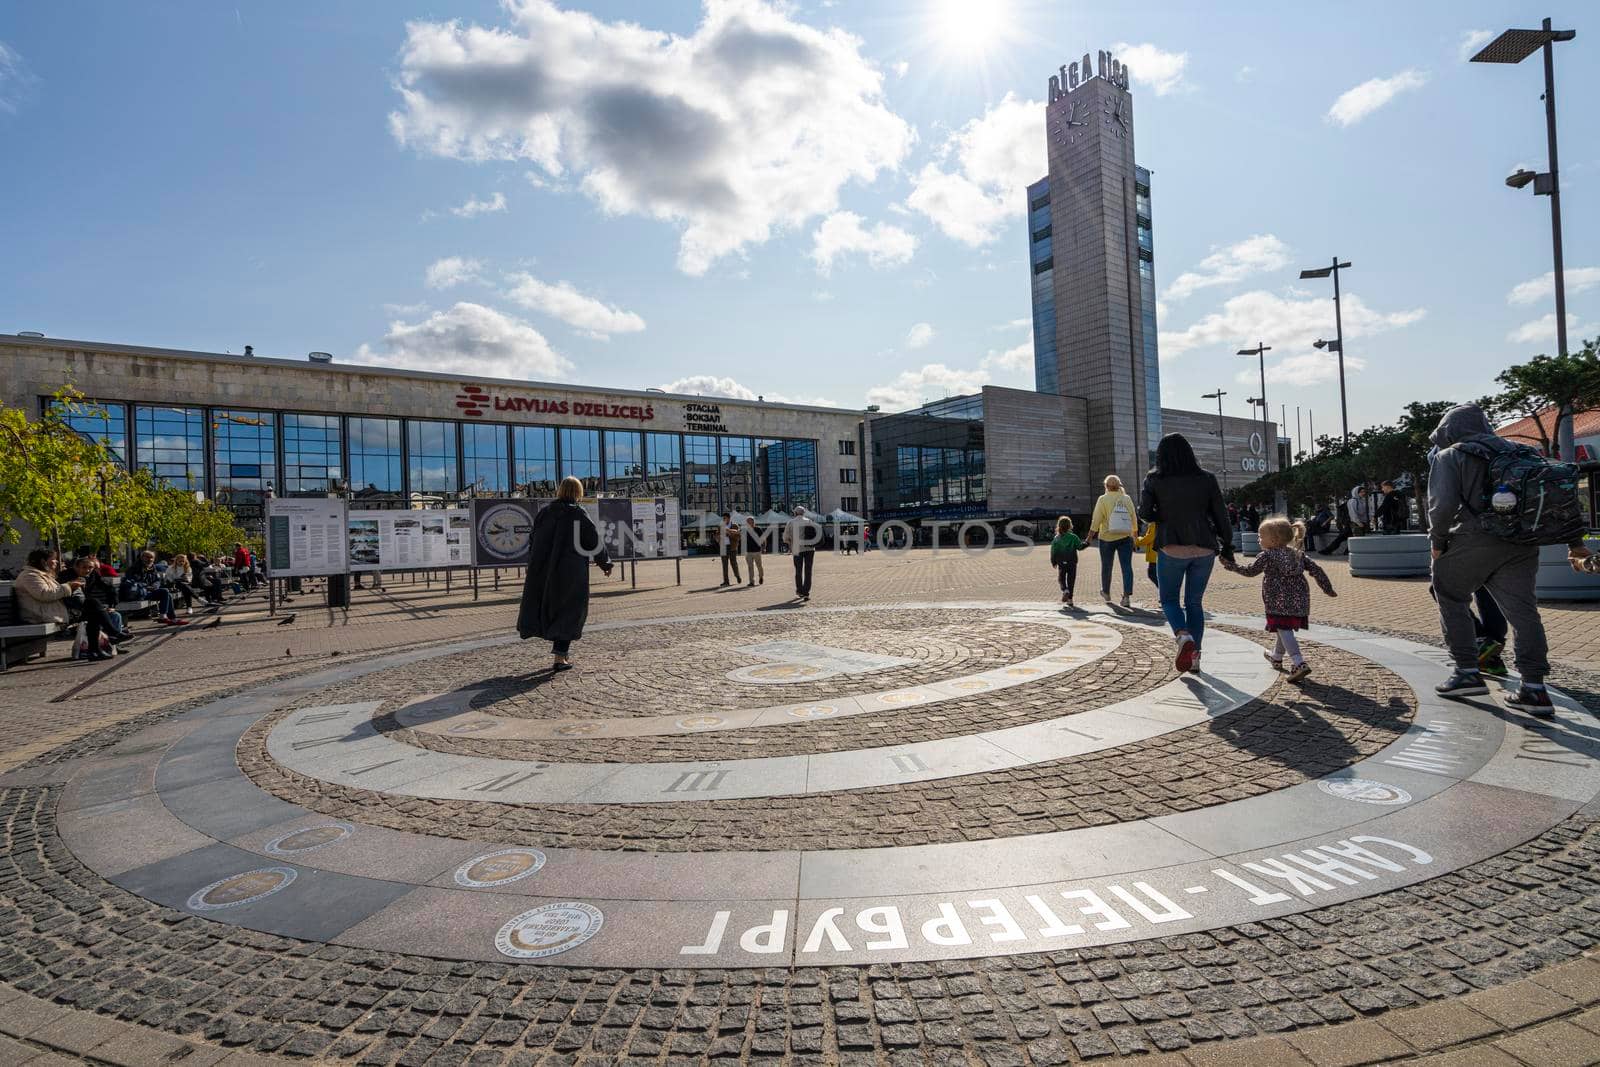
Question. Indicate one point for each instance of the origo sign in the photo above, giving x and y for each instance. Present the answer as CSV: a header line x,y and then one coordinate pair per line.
x,y
475,401
1258,461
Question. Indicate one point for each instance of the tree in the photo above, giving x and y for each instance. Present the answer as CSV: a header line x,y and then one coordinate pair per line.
x,y
1550,390
46,471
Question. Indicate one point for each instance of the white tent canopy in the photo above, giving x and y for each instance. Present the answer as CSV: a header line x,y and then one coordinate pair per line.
x,y
771,517
840,515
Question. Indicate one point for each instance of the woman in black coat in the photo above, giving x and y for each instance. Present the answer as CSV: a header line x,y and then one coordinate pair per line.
x,y
1192,529
555,596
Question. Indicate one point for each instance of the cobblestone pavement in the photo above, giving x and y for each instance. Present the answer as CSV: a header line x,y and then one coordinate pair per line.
x,y
1138,665
1291,735
1482,965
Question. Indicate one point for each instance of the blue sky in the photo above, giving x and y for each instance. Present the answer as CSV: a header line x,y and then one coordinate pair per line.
x,y
808,201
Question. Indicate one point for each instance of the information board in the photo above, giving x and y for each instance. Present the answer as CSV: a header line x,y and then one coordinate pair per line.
x,y
305,537
640,528
409,539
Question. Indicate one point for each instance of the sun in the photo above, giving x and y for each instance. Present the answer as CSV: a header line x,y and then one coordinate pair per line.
x,y
972,28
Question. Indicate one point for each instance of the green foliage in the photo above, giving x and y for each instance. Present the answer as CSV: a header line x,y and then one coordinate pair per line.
x,y
1547,388
68,486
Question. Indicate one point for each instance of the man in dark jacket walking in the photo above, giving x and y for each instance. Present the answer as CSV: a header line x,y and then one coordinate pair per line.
x,y
1466,558
555,594
728,547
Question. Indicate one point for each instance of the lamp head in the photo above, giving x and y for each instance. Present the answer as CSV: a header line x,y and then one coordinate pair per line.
x,y
1521,178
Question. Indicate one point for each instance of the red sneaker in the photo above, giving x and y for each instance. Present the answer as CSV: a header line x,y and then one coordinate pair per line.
x,y
1186,654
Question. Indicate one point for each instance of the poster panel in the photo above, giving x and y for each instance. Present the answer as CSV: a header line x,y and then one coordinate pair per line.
x,y
409,539
305,537
637,528
502,529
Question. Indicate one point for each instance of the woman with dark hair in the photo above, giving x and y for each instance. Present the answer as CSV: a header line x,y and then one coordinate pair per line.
x,y
555,594
1193,529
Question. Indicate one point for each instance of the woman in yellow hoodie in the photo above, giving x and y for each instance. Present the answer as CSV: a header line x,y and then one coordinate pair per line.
x,y
1146,542
1113,525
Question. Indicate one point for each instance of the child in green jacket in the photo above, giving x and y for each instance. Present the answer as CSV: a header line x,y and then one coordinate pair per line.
x,y
1064,556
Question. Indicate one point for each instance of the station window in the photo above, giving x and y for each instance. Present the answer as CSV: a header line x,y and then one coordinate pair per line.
x,y
534,460
432,456
847,475
847,448
311,459
374,456
850,503
484,455
171,444
1044,264
104,423
580,457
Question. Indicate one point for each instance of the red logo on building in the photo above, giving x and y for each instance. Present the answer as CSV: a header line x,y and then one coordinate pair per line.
x,y
473,400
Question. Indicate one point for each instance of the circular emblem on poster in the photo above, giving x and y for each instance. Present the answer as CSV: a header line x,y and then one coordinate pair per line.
x,y
499,868
504,529
1365,790
312,837
246,888
549,930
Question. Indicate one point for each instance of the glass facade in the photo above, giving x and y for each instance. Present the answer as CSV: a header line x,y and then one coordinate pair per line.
x,y
240,455
1147,308
431,456
533,450
312,463
485,458
1041,260
171,444
104,423
580,458
938,461
374,456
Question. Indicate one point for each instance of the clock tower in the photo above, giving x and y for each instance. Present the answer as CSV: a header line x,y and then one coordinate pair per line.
x,y
1087,270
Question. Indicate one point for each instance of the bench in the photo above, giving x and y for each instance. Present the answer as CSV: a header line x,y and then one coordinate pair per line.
x,y
20,640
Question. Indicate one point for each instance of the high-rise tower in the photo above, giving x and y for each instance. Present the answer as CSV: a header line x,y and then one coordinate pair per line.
x,y
1091,309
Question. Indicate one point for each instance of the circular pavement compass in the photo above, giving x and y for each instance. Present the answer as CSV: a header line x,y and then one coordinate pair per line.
x,y
377,842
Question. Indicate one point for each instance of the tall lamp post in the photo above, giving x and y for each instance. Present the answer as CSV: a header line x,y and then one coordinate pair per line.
x,y
1221,439
1337,344
1260,352
1513,46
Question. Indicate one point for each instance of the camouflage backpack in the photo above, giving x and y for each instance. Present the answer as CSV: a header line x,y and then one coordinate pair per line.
x,y
1527,499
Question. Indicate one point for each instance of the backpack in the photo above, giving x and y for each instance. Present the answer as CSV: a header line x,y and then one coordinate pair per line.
x,y
1120,518
1527,499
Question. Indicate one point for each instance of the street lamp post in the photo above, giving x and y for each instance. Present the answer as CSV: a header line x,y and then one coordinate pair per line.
x,y
1337,344
1513,46
1222,440
1260,352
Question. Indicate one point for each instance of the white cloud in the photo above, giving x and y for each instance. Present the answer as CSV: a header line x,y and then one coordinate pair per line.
x,y
1225,266
1543,329
1471,41
1543,287
901,69
1356,104
842,233
451,271
468,339
991,161
920,335
564,302
1014,324
751,124
1305,368
16,81
1289,324
1244,73
929,382
474,207
404,310
1161,70
715,385
1016,358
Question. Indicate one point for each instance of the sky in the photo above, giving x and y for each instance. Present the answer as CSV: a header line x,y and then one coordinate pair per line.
x,y
815,202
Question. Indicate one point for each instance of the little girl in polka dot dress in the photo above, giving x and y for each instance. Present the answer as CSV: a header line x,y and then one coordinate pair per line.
x,y
1285,592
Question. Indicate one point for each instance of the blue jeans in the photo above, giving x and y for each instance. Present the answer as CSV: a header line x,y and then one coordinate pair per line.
x,y
1122,550
1188,576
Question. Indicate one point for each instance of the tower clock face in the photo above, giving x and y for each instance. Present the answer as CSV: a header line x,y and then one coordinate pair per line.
x,y
504,532
1071,124
1114,117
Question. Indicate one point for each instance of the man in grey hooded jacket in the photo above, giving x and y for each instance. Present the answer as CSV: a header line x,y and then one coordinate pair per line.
x,y
1465,558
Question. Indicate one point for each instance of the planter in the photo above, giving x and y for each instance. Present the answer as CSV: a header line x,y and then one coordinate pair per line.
x,y
1390,556
1250,543
1558,581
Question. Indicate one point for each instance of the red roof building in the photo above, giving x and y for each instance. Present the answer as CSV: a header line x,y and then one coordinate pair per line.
x,y
1585,431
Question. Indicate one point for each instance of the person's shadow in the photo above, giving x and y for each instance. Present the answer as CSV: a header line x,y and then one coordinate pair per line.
x,y
1300,731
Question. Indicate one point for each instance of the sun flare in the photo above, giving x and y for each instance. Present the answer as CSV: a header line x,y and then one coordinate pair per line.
x,y
971,27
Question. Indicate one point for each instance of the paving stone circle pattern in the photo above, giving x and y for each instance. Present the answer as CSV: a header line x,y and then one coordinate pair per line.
x,y
1035,793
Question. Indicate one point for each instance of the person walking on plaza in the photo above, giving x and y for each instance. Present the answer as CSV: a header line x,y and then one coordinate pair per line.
x,y
1113,524
1391,510
555,593
1187,503
1146,543
728,547
1467,557
1285,593
1064,557
1341,518
803,535
753,550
